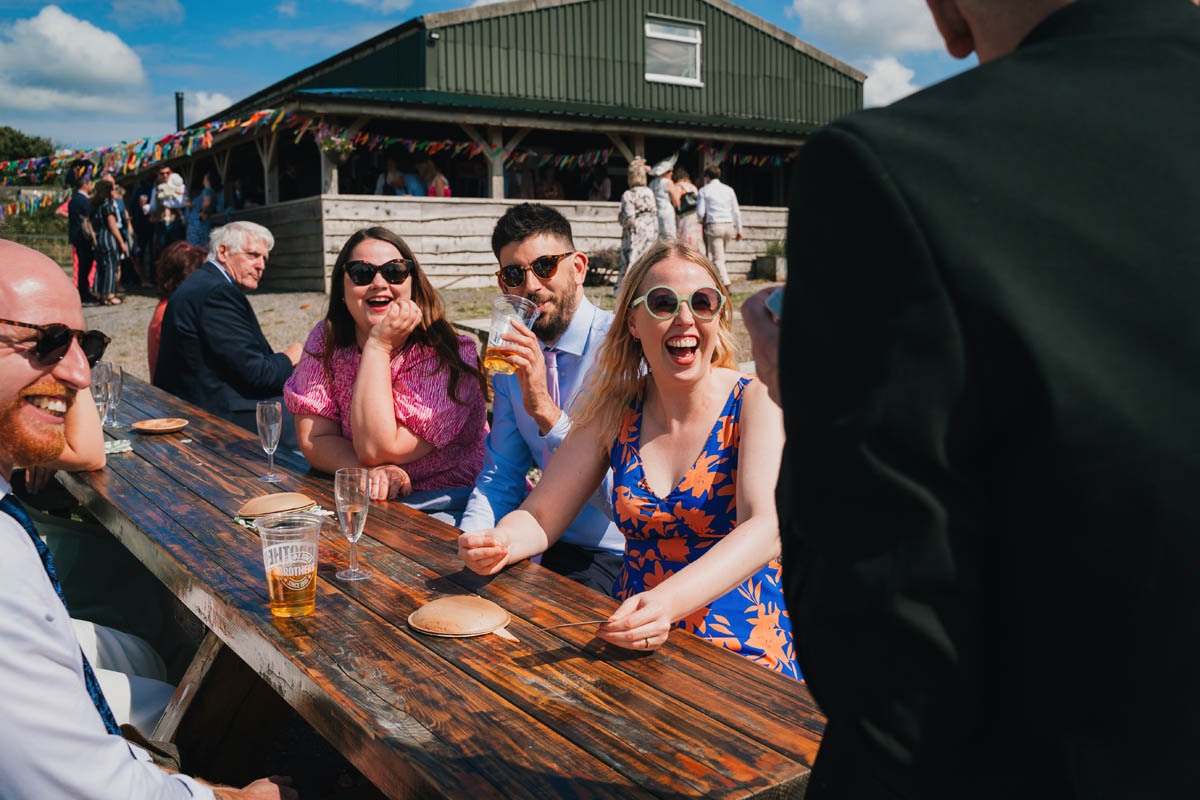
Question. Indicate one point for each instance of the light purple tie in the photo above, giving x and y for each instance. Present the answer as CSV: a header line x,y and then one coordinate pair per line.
x,y
552,374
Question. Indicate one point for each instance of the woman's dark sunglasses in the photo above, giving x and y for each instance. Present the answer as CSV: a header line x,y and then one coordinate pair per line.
x,y
663,302
53,341
544,267
361,273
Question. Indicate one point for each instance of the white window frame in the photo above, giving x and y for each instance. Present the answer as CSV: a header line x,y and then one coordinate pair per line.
x,y
698,41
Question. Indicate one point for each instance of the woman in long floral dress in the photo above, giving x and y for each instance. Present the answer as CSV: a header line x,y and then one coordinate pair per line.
x,y
702,536
638,218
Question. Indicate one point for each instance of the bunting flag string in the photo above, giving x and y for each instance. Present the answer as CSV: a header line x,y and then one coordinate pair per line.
x,y
132,157
25,205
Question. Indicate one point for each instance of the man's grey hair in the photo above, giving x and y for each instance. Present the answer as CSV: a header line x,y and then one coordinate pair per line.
x,y
235,235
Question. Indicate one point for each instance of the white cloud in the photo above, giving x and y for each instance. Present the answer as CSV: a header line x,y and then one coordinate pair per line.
x,y
887,81
54,61
131,13
287,8
201,105
382,6
854,28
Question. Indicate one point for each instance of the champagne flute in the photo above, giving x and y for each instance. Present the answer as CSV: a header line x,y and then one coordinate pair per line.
x,y
116,380
350,492
270,419
100,387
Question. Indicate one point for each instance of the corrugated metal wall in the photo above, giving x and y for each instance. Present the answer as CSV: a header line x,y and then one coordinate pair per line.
x,y
593,52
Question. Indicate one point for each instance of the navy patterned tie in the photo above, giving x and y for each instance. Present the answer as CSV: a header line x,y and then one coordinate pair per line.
x,y
12,506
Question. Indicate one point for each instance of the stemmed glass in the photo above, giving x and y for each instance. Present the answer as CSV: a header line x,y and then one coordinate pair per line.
x,y
270,420
352,498
101,371
116,381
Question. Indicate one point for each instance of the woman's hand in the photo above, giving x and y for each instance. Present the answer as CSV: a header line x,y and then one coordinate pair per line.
x,y
401,319
642,622
388,482
485,552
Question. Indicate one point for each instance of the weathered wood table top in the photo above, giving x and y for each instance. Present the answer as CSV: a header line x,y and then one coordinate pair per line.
x,y
558,714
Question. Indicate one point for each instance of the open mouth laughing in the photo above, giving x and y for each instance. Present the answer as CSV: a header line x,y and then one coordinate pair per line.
x,y
683,349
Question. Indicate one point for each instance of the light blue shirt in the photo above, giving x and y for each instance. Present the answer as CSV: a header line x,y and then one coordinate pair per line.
x,y
515,443
222,270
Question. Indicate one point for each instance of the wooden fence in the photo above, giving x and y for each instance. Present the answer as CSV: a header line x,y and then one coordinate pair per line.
x,y
451,237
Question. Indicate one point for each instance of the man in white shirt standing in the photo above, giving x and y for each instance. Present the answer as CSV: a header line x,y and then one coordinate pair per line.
x,y
57,735
717,207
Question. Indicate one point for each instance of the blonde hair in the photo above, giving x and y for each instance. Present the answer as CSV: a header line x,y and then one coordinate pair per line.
x,y
636,175
616,376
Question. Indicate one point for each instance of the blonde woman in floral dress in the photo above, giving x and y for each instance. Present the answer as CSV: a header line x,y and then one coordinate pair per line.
x,y
638,218
668,411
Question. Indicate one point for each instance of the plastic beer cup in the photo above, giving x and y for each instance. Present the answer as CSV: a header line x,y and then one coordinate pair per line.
x,y
505,309
289,543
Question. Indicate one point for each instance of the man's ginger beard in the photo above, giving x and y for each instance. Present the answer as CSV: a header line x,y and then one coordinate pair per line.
x,y
38,443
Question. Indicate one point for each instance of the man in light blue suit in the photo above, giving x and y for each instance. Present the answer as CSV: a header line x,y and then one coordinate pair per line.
x,y
530,408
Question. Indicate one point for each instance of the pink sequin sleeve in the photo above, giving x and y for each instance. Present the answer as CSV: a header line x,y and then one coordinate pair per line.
x,y
422,405
309,390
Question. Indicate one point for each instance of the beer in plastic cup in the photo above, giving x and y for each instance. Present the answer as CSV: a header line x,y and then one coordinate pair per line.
x,y
289,543
505,309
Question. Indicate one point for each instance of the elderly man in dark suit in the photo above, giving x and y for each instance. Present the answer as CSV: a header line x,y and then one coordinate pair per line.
x,y
991,386
213,352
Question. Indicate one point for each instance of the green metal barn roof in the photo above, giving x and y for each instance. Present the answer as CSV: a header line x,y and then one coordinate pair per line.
x,y
586,59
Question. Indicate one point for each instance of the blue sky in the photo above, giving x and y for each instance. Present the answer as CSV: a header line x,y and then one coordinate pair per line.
x,y
96,72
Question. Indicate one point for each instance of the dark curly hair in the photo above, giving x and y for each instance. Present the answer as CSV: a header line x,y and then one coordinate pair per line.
x,y
434,331
174,264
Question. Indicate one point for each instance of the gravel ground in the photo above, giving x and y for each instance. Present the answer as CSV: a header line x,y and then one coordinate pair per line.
x,y
287,317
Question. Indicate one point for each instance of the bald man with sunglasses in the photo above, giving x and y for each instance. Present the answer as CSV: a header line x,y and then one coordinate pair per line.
x,y
58,734
530,408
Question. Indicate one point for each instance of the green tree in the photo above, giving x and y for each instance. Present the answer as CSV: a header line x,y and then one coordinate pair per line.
x,y
14,144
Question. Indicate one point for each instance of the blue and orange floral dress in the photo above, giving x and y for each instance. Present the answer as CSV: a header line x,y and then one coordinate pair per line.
x,y
664,534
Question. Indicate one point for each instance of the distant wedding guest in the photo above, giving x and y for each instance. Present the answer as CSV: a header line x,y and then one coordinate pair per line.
x,y
435,182
685,197
110,244
178,261
720,216
84,247
600,187
212,351
549,187
202,206
386,383
168,199
661,186
638,218
701,532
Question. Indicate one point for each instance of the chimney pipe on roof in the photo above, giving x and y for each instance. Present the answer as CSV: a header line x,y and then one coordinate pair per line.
x,y
179,111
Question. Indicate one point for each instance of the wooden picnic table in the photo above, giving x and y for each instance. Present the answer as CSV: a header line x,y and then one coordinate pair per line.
x,y
559,714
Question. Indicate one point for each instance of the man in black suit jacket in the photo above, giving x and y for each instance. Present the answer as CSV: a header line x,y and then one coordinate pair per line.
x,y
213,352
78,208
991,384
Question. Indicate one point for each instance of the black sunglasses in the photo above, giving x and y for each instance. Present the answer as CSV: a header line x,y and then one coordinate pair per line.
x,y
544,267
54,340
363,272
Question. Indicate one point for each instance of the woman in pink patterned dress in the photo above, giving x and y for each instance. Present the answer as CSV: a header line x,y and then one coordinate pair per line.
x,y
386,383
